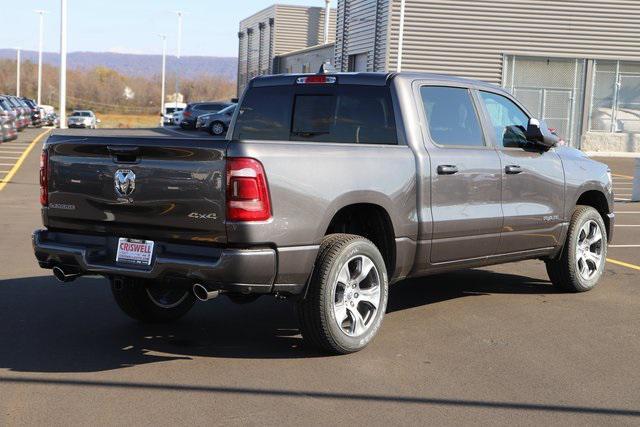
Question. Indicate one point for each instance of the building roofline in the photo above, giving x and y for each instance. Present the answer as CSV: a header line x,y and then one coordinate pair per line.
x,y
306,49
273,6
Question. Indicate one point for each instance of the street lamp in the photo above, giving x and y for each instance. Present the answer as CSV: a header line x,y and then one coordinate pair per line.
x,y
164,65
327,16
63,64
400,37
40,41
180,14
17,71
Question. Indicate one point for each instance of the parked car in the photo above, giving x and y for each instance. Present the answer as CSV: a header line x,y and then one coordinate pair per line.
x,y
8,129
366,179
21,113
177,118
83,119
169,109
216,123
196,109
35,111
627,119
51,119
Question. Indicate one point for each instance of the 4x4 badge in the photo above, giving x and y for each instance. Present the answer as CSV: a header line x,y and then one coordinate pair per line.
x,y
124,182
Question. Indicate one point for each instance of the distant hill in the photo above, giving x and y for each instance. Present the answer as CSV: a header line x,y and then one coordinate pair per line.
x,y
136,65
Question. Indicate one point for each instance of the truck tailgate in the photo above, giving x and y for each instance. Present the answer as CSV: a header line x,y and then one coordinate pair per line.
x,y
168,188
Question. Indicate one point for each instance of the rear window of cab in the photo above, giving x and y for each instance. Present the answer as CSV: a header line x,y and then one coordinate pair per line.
x,y
318,113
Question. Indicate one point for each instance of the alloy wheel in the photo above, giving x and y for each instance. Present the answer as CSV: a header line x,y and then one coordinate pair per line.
x,y
589,250
356,296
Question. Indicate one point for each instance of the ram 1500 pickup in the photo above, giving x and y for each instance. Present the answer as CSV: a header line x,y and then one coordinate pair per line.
x,y
328,188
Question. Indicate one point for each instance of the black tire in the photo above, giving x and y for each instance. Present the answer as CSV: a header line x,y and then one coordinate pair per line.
x,y
316,315
564,271
134,297
213,132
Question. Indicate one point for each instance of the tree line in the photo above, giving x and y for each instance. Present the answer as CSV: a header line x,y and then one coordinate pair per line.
x,y
105,90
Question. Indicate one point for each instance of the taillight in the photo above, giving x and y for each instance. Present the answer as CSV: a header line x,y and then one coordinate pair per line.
x,y
187,114
247,190
44,178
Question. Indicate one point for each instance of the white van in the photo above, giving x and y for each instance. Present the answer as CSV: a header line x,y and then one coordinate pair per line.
x,y
169,109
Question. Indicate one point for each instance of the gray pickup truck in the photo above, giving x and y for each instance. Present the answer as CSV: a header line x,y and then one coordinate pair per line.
x,y
328,188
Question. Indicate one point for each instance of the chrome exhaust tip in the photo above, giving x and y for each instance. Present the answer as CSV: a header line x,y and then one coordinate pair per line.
x,y
64,277
204,294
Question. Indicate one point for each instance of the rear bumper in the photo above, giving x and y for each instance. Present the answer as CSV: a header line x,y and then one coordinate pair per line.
x,y
237,270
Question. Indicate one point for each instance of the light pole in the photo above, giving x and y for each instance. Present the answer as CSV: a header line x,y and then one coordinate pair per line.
x,y
40,41
400,36
17,71
180,14
164,65
63,64
327,15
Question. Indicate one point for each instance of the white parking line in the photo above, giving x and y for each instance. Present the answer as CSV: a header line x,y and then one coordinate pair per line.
x,y
624,246
627,212
627,225
9,158
6,164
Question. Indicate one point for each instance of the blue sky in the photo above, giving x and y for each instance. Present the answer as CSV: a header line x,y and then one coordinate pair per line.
x,y
132,26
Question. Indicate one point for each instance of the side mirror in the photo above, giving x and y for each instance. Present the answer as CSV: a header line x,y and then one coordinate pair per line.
x,y
539,134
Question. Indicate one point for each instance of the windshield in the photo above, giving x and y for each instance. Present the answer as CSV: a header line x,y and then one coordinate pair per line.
x,y
81,114
229,109
321,113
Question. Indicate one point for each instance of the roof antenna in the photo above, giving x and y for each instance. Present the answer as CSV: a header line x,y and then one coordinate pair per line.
x,y
326,68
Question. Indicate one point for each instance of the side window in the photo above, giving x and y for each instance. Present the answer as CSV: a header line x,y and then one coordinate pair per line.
x,y
451,116
508,120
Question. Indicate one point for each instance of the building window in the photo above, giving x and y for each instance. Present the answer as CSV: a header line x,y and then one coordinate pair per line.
x,y
615,104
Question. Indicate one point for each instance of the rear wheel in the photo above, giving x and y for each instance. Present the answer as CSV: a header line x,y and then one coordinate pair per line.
x,y
149,301
347,295
583,257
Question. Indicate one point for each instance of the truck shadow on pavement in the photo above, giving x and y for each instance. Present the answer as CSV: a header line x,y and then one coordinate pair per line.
x,y
47,327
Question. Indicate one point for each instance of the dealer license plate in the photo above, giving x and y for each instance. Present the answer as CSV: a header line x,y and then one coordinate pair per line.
x,y
133,251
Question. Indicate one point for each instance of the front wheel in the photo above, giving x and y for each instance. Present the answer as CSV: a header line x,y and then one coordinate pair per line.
x,y
216,128
149,301
347,295
581,264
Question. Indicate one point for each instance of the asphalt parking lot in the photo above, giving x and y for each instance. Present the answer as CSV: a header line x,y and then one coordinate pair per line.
x,y
493,346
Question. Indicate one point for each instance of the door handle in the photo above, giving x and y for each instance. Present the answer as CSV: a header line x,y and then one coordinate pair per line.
x,y
447,169
512,169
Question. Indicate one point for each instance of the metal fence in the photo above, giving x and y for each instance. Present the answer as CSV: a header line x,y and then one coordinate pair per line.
x,y
615,104
551,88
